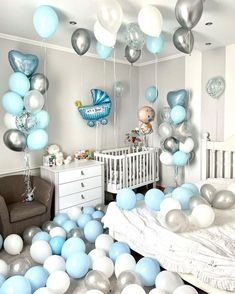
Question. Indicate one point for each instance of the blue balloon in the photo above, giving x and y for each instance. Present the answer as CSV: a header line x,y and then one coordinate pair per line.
x,y
1,241
178,114
92,230
12,103
191,187
168,190
60,218
151,94
97,214
56,244
118,248
37,277
42,119
15,285
139,197
147,269
37,140
126,199
19,83
69,225
153,199
2,280
77,265
103,51
83,219
88,210
72,246
45,21
179,97
183,195
41,236
155,44
180,158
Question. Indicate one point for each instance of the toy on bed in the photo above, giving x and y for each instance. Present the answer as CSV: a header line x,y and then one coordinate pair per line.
x,y
98,110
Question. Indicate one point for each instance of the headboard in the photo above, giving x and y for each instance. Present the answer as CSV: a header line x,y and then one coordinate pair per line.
x,y
218,158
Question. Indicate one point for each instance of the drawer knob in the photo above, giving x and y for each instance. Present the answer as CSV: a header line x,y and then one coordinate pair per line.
x,y
82,172
82,196
82,185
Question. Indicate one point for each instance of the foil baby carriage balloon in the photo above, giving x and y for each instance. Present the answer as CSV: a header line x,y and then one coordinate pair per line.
x,y
98,111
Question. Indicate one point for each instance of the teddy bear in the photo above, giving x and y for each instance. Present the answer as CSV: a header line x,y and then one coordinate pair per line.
x,y
146,115
54,151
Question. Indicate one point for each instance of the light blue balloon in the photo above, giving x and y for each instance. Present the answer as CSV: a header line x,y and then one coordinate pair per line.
x,y
56,244
72,246
37,277
180,158
15,285
153,199
92,230
118,248
126,199
41,236
68,225
12,103
155,44
139,196
151,94
88,210
97,214
77,265
45,21
83,219
42,119
103,51
19,83
147,269
2,280
178,114
1,241
183,195
60,218
168,190
179,97
37,140
191,187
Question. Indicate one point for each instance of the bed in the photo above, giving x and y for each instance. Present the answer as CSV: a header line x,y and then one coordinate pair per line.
x,y
130,167
203,257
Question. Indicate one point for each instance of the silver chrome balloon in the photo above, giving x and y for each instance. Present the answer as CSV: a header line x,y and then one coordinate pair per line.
x,y
15,140
97,280
19,266
176,221
126,278
81,41
183,40
165,130
196,200
171,144
29,233
33,101
39,82
223,199
25,122
165,114
76,232
100,207
208,192
48,226
182,131
188,12
131,54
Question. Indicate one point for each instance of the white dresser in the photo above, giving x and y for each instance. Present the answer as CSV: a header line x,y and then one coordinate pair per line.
x,y
79,183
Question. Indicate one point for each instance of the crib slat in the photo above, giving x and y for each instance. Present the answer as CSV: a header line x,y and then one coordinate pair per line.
x,y
115,172
134,169
147,165
129,170
227,164
220,164
212,164
137,169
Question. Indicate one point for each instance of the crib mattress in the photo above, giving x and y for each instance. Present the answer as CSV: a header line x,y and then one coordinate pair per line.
x,y
208,254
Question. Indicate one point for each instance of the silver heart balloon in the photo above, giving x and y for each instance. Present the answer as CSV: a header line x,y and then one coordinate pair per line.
x,y
19,266
81,41
15,140
131,54
182,131
188,12
183,40
39,82
208,192
97,280
29,233
171,145
25,63
223,199
179,97
126,278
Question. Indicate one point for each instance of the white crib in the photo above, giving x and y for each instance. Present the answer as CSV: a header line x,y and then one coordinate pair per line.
x,y
129,167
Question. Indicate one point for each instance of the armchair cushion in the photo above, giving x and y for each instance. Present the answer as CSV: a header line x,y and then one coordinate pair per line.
x,y
23,210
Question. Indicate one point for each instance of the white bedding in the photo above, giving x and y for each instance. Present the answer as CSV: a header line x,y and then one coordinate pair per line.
x,y
209,254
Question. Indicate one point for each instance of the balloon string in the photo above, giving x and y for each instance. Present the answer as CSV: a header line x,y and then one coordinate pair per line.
x,y
45,72
115,101
28,193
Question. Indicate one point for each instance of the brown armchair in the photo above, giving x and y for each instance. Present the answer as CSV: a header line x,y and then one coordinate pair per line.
x,y
16,215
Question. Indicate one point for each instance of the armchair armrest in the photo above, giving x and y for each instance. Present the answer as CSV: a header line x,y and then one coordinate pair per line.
x,y
4,216
43,191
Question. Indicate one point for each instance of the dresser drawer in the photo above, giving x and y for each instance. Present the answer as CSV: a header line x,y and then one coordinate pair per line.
x,y
79,186
78,199
79,174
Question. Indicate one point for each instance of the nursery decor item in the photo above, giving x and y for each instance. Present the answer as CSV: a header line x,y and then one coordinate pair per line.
x,y
131,54
146,115
150,21
215,87
151,94
99,109
134,36
134,137
81,41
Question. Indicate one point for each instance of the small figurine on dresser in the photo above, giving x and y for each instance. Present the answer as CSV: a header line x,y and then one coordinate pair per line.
x,y
82,154
55,157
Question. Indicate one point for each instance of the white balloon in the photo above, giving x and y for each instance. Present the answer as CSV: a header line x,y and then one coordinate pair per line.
x,y
157,291
40,250
54,263
58,282
231,187
168,281
133,288
166,158
103,36
9,121
3,268
105,265
203,216
13,244
124,262
94,292
187,146
185,289
74,212
95,254
44,290
150,21
103,242
58,231
169,204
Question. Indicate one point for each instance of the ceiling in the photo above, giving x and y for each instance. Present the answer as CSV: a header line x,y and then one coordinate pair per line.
x,y
16,20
